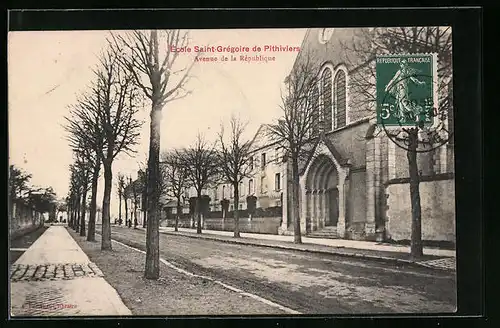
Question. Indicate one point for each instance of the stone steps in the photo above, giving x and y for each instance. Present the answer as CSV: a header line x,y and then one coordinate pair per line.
x,y
329,232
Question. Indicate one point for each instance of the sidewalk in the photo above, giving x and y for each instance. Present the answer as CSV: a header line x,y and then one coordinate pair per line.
x,y
433,257
54,277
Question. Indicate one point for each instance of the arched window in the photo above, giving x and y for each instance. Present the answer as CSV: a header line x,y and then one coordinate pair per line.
x,y
326,93
314,101
340,99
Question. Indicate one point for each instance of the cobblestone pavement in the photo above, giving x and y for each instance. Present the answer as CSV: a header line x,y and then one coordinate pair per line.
x,y
23,272
449,263
54,277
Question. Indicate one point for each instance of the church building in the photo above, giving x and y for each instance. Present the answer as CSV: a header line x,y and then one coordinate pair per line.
x,y
355,185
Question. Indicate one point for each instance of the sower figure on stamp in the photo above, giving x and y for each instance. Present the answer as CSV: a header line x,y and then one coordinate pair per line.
x,y
398,87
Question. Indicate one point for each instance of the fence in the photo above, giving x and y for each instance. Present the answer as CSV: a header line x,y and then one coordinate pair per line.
x,y
214,221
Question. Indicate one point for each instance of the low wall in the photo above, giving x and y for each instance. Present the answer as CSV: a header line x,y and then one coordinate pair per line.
x,y
266,225
437,199
23,220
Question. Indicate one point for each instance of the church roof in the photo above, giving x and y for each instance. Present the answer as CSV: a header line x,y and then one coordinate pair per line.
x,y
312,151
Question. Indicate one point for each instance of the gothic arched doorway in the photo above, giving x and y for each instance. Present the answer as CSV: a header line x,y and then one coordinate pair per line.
x,y
322,195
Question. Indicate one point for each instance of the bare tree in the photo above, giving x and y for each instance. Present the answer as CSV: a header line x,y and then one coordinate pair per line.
x,y
361,51
155,71
75,190
86,136
83,170
143,177
119,107
233,159
176,179
202,167
120,186
293,130
18,182
135,190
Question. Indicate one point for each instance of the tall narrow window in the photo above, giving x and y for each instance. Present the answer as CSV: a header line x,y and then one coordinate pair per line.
x,y
263,188
216,196
250,186
340,99
277,182
263,161
223,192
250,162
326,93
314,103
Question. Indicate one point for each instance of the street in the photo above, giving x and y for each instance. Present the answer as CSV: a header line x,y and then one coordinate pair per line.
x,y
307,282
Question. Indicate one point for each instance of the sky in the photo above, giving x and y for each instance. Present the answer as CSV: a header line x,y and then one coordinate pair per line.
x,y
47,70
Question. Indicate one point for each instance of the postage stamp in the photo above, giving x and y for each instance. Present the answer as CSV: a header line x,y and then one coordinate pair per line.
x,y
406,89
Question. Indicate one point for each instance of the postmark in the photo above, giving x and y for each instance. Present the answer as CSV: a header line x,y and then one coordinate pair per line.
x,y
407,98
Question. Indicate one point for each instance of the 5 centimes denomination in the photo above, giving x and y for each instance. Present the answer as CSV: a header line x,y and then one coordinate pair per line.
x,y
407,93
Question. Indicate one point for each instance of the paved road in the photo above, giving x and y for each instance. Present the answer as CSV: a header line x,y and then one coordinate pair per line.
x,y
306,282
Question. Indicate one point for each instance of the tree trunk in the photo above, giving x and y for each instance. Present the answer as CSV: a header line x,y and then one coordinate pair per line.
x,y
126,210
93,203
106,224
73,214
119,208
70,213
416,218
84,210
179,213
79,212
135,213
152,270
198,213
236,210
295,201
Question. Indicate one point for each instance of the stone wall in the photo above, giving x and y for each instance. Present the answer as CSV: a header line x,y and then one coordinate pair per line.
x,y
437,197
356,210
23,220
266,225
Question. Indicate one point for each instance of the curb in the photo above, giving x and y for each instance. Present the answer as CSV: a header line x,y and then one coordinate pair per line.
x,y
355,255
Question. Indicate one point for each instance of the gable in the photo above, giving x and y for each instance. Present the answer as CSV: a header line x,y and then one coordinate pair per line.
x,y
261,138
336,50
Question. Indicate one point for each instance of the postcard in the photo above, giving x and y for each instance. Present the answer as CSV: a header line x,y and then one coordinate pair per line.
x,y
232,172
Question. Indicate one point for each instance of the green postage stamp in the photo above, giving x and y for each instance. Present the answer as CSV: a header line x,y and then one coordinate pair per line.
x,y
406,87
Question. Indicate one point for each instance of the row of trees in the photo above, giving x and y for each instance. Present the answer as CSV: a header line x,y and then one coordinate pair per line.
x,y
101,125
43,200
199,166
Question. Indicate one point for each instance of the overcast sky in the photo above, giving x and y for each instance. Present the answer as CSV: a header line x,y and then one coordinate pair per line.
x,y
46,70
